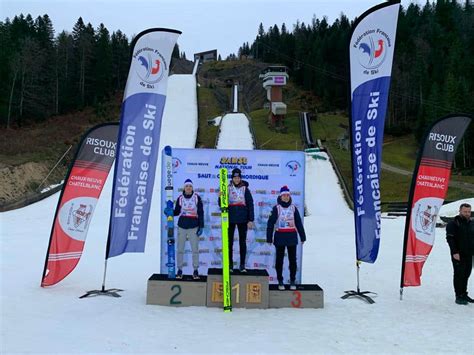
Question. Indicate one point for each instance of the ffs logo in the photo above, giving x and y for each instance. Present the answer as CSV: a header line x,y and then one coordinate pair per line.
x,y
294,167
372,48
176,164
150,67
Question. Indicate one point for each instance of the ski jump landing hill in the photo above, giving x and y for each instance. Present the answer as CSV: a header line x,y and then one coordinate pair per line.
x,y
234,132
180,118
234,128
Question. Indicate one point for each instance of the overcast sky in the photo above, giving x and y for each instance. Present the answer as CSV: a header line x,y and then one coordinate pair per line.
x,y
208,24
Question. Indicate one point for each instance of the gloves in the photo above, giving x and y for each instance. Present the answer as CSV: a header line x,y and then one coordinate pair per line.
x,y
199,232
169,211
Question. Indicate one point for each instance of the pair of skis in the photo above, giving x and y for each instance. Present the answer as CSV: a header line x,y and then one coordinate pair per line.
x,y
223,185
169,211
226,285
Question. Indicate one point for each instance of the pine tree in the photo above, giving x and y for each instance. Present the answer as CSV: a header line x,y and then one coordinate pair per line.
x,y
83,36
175,53
120,59
103,64
64,63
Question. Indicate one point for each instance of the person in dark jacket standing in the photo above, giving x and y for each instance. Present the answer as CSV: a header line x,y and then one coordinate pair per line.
x,y
190,225
460,237
286,222
241,215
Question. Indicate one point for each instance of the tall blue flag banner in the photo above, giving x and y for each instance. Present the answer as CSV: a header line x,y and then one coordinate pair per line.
x,y
371,50
138,141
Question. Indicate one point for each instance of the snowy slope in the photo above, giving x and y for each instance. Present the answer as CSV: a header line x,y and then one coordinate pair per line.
x,y
235,132
180,117
55,320
452,209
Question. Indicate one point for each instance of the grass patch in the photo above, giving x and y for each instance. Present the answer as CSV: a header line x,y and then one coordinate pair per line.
x,y
394,187
208,109
463,178
455,194
329,127
400,152
343,161
269,139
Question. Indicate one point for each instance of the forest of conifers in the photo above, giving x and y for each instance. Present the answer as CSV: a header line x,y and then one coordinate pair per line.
x,y
44,74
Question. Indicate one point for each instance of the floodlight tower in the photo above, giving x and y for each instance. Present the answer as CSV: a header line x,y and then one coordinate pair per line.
x,y
274,78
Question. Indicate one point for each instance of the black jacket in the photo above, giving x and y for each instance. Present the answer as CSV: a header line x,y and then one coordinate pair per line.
x,y
188,222
241,214
284,238
460,236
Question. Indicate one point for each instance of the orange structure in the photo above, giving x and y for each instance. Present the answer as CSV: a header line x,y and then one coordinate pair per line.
x,y
274,78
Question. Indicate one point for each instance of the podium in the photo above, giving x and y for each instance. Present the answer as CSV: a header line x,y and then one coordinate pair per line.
x,y
305,296
249,289
176,293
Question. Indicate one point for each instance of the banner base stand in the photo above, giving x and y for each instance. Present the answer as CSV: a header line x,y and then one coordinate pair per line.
x,y
112,292
362,295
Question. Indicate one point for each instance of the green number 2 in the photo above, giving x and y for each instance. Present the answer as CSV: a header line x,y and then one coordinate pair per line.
x,y
178,292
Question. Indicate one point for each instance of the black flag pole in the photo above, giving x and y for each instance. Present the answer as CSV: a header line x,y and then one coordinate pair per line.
x,y
112,292
359,293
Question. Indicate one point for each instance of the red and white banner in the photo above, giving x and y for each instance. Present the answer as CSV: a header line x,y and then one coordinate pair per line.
x,y
83,185
428,191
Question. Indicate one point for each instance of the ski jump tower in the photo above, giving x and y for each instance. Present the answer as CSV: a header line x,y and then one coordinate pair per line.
x,y
274,78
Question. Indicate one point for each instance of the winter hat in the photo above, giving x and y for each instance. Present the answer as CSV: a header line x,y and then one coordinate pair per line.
x,y
188,182
237,172
284,190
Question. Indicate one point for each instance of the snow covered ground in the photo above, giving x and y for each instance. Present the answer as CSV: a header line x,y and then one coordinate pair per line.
x,y
215,121
235,132
55,320
452,209
180,117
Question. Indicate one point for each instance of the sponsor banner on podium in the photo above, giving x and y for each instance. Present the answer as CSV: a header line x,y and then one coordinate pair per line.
x,y
266,172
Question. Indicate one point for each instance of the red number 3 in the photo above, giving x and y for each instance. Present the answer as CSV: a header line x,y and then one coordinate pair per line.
x,y
296,303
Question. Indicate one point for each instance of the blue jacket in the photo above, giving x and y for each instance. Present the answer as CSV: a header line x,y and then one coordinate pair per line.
x,y
284,238
242,214
187,222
